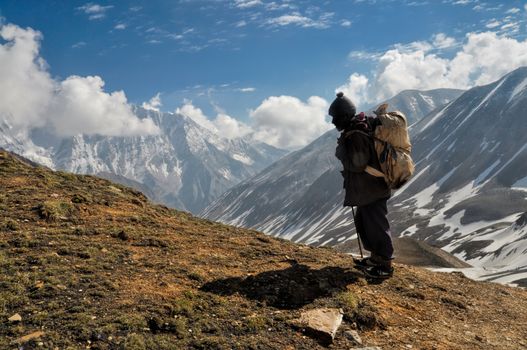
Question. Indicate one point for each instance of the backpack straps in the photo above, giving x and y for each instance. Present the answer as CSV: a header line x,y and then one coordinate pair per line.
x,y
370,170
374,172
351,132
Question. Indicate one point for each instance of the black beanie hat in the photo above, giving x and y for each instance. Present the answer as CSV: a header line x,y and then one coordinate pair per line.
x,y
342,107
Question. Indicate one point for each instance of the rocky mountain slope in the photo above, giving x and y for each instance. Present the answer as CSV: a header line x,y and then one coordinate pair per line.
x,y
86,263
467,196
469,193
299,197
186,166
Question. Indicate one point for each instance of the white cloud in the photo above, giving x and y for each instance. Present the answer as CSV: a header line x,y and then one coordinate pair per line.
x,y
417,3
247,3
196,114
483,58
274,6
364,55
154,103
78,45
511,27
290,19
94,11
223,124
240,24
441,41
299,20
247,89
282,121
356,88
345,23
82,106
287,122
513,10
30,98
25,83
176,36
493,24
229,127
120,26
217,41
414,46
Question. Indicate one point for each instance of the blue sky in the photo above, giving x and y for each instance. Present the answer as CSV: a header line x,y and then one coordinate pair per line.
x,y
229,56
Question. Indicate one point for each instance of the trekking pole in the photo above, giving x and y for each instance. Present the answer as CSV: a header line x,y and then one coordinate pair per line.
x,y
357,232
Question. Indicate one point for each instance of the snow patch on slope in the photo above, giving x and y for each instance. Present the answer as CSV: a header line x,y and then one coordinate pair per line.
x,y
518,89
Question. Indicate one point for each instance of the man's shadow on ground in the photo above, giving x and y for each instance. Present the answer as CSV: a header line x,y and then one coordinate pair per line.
x,y
291,288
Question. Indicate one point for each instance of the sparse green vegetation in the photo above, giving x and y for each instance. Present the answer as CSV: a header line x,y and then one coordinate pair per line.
x,y
348,301
95,265
367,317
79,198
55,210
255,323
132,321
134,342
9,225
183,306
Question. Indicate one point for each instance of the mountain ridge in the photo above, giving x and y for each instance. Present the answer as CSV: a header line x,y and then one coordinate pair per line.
x,y
185,166
470,154
303,193
463,194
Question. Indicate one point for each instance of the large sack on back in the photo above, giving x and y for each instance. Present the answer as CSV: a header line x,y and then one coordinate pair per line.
x,y
393,147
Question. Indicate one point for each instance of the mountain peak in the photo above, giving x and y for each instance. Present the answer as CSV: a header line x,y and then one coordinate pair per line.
x,y
185,166
521,71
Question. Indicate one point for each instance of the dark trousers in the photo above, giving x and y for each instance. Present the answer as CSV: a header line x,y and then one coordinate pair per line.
x,y
374,229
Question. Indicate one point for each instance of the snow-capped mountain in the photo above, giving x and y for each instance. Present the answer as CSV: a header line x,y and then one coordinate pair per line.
x,y
468,194
498,254
417,104
186,166
299,196
17,141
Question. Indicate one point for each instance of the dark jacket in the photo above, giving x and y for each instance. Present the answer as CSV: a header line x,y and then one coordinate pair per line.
x,y
356,150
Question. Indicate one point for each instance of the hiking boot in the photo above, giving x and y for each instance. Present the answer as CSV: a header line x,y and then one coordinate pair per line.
x,y
379,272
365,263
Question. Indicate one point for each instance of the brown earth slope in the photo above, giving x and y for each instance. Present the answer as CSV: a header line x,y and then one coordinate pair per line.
x,y
90,264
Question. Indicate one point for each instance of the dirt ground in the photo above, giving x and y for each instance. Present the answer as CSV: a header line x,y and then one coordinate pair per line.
x,y
93,265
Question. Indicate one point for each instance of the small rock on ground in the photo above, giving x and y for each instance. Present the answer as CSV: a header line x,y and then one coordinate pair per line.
x,y
28,337
354,337
325,321
15,318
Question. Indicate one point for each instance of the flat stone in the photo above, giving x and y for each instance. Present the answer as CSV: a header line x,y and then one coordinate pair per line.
x,y
354,337
323,321
28,337
15,318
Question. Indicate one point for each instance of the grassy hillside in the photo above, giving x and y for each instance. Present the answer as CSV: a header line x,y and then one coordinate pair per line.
x,y
91,264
